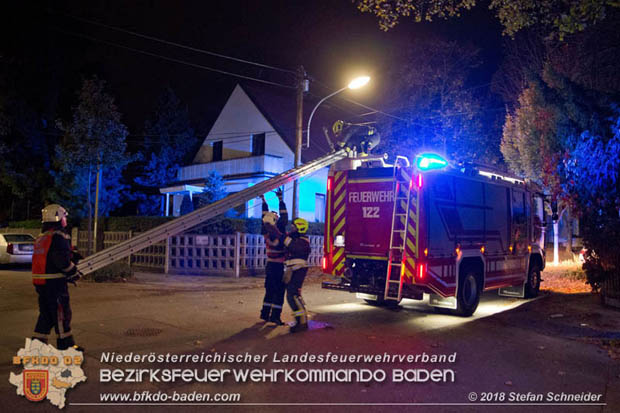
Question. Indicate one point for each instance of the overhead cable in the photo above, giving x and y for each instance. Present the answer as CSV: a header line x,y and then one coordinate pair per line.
x,y
170,43
171,59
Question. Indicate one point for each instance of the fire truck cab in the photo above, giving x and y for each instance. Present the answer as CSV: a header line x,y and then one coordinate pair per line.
x,y
402,231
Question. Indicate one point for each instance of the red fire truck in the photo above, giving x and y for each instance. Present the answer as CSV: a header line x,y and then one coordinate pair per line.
x,y
402,231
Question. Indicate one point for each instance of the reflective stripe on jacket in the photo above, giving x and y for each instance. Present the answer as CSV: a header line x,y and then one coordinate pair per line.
x,y
296,264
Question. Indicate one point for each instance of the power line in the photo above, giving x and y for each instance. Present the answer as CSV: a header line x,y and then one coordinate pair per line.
x,y
373,110
171,59
170,43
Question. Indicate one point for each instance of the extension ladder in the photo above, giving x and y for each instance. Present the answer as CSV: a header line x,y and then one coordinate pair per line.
x,y
178,225
398,232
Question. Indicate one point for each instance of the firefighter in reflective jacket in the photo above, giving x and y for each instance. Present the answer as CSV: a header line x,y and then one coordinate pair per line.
x,y
276,253
53,265
297,251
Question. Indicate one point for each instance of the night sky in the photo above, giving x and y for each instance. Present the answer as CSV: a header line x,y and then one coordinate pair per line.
x,y
331,39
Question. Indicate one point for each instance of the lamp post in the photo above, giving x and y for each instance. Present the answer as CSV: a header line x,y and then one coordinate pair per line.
x,y
356,83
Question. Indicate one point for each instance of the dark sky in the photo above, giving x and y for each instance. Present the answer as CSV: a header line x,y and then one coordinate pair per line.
x,y
329,37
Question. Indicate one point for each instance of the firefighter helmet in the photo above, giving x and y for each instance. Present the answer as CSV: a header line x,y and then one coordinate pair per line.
x,y
301,225
53,213
270,218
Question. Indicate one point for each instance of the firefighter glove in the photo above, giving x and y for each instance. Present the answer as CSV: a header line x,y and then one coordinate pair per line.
x,y
75,277
279,193
76,257
71,272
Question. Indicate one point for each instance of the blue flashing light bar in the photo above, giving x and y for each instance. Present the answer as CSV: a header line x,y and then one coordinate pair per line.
x,y
430,161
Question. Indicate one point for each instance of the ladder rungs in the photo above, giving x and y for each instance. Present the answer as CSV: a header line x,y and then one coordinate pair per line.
x,y
394,281
396,264
400,215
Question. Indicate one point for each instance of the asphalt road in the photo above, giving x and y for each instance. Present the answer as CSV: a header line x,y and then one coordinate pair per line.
x,y
509,348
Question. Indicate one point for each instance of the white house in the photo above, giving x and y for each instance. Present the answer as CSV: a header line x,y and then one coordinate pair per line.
x,y
251,140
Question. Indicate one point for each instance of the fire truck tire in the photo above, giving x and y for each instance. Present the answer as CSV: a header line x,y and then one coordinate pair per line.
x,y
532,285
468,295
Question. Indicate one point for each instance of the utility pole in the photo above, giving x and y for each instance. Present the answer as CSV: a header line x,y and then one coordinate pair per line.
x,y
302,86
97,185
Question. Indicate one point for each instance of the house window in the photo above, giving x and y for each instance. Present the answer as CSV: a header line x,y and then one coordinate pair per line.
x,y
319,207
217,151
258,144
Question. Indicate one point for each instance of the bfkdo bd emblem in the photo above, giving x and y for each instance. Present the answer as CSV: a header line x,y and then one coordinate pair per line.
x,y
35,384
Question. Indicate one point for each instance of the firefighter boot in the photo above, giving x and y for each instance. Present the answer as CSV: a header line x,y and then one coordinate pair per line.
x,y
299,326
65,343
275,316
264,313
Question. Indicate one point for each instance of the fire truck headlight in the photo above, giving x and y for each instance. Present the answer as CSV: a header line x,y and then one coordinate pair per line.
x,y
339,241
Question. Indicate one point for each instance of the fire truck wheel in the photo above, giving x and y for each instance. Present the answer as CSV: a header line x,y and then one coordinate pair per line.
x,y
468,295
532,286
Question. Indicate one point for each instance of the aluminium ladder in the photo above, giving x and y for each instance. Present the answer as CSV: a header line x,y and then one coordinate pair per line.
x,y
178,225
398,233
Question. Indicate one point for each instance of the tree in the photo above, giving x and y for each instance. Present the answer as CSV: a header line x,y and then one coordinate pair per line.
x,y
524,58
169,140
592,172
214,190
434,107
24,134
559,17
552,110
94,142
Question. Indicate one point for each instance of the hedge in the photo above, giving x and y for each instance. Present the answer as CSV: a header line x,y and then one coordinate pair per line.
x,y
221,225
31,223
217,225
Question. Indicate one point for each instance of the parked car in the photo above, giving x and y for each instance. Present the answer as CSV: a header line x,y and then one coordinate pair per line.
x,y
16,248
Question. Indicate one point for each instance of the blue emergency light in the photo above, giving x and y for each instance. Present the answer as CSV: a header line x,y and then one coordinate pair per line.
x,y
430,161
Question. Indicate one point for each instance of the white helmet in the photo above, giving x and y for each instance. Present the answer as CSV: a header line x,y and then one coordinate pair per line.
x,y
270,218
53,213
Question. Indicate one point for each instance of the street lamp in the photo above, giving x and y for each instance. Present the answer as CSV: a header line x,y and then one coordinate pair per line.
x,y
356,83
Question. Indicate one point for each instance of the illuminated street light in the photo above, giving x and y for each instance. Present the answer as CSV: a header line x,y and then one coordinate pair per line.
x,y
356,83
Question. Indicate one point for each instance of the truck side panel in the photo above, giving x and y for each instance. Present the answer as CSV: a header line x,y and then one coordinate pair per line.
x,y
510,267
441,231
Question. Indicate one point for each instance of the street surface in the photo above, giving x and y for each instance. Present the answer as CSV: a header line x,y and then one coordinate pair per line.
x,y
511,345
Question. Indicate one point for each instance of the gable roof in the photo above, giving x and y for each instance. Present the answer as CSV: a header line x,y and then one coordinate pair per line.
x,y
279,106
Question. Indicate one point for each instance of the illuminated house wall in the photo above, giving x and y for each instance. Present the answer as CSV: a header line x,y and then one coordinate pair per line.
x,y
234,130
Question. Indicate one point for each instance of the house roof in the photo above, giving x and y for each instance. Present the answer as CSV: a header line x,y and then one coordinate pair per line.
x,y
278,105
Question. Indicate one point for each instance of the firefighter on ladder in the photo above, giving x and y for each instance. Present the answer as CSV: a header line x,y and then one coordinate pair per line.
x,y
53,266
274,285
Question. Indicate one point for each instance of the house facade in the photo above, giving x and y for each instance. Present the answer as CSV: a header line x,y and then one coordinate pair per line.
x,y
252,140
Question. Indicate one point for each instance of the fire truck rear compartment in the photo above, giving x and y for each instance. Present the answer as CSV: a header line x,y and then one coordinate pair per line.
x,y
368,277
